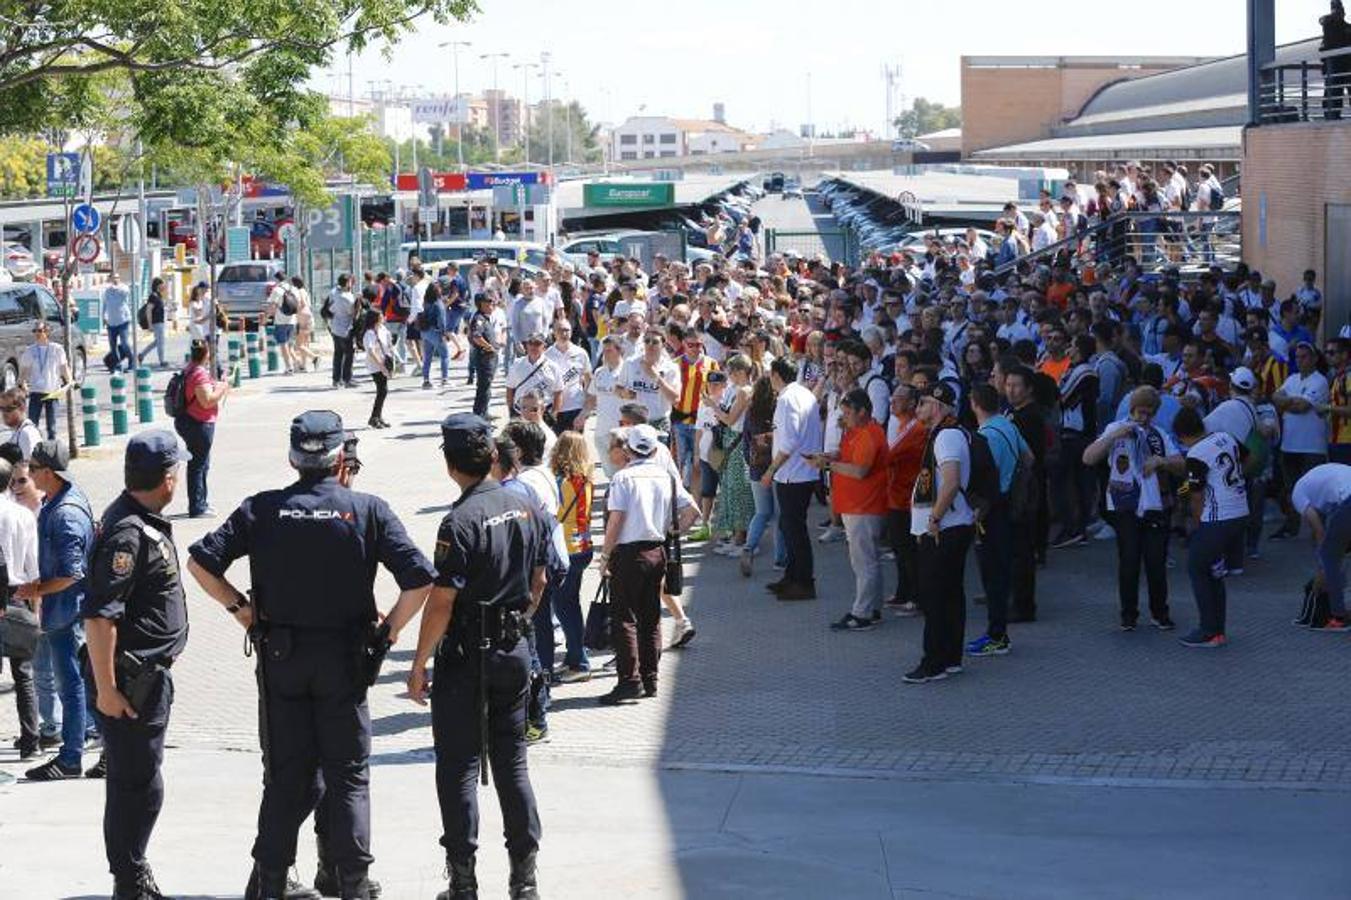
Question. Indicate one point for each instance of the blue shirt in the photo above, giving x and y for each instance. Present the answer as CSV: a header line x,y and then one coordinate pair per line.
x,y
65,541
1006,446
116,305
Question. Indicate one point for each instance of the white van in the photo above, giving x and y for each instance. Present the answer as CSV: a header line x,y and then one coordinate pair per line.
x,y
435,251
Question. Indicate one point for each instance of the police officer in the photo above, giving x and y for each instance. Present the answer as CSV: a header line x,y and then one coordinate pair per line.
x,y
490,557
313,550
136,621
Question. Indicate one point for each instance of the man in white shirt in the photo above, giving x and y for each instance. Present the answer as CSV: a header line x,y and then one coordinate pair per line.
x,y
652,379
603,400
1323,499
19,553
640,505
534,373
283,322
1046,233
942,522
1302,402
574,368
19,429
44,372
797,438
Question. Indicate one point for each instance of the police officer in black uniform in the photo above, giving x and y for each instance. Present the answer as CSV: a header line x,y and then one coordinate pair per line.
x,y
137,625
490,556
313,550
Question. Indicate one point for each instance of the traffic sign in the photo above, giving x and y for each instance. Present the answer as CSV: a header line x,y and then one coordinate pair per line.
x,y
86,248
288,232
85,218
63,174
331,228
129,234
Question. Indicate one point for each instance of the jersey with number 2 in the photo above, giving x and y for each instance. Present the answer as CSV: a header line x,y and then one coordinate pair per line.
x,y
1215,466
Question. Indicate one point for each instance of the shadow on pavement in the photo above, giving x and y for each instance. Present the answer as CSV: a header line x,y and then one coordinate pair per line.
x,y
401,722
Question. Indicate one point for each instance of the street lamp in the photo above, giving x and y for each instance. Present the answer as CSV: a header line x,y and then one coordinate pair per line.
x,y
548,105
497,104
525,68
567,112
459,119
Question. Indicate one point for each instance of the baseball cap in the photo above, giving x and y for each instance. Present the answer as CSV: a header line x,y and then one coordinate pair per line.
x,y
149,451
1243,379
457,429
53,455
315,436
349,446
944,394
642,440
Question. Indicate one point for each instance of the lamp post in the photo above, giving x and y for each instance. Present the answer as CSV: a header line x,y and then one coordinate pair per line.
x,y
548,105
459,119
497,104
567,113
525,68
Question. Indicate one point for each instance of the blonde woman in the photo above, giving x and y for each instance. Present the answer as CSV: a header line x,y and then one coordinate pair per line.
x,y
572,465
306,355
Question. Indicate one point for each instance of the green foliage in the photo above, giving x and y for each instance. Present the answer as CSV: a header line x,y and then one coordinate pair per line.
x,y
583,145
924,117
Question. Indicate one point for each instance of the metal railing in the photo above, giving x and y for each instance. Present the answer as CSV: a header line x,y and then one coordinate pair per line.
x,y
1187,240
1306,91
836,244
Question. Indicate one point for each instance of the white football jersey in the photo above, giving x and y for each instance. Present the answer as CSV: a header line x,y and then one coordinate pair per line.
x,y
1214,465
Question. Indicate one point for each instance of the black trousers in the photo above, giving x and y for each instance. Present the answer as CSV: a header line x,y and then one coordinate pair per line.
x,y
25,700
134,788
484,365
1023,544
342,359
903,548
455,730
794,498
636,573
381,391
1142,542
942,566
994,553
313,719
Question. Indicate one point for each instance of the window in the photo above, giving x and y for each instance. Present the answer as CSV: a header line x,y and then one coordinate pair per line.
x,y
649,139
628,154
668,153
51,311
648,154
668,138
628,139
11,306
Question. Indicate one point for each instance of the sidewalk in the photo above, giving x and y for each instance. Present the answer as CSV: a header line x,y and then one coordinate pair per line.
x,y
616,832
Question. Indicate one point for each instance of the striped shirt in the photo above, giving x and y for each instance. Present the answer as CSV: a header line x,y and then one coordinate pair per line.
x,y
692,375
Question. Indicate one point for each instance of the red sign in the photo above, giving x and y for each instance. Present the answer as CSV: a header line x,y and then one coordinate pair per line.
x,y
445,181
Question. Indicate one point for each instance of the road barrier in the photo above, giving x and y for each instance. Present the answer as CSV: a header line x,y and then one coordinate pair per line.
x,y
89,405
251,352
145,402
273,355
118,388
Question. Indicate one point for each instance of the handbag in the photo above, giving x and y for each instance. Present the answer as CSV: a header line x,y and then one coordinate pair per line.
x,y
596,635
675,571
718,455
19,630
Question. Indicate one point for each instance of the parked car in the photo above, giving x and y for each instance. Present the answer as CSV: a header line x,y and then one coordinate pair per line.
x,y
21,304
793,193
182,233
18,260
774,183
243,288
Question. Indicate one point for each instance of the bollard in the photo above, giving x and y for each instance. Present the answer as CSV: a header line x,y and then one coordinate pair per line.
x,y
145,403
273,356
234,351
90,406
118,386
251,350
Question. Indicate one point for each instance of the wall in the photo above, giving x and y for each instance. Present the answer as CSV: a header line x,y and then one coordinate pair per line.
x,y
1300,168
1009,105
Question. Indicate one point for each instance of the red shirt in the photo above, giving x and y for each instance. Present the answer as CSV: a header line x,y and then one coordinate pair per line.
x,y
865,446
194,377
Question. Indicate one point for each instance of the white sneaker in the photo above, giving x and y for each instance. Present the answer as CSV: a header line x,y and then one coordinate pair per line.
x,y
831,535
682,634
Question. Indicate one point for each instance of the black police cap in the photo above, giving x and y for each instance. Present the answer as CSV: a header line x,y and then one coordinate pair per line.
x,y
154,450
458,428
317,432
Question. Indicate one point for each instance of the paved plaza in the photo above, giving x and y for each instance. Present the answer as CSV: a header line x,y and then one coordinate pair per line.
x,y
781,759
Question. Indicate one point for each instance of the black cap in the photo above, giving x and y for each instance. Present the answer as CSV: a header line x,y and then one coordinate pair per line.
x,y
457,428
51,455
944,393
150,451
349,446
316,433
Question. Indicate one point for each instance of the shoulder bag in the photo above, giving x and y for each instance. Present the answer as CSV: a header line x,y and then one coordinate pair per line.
x,y
675,570
596,635
19,627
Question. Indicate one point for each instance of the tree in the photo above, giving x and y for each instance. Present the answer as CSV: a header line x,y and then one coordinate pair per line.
x,y
583,146
23,171
924,117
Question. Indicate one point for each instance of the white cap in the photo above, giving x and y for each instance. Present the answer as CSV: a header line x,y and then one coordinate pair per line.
x,y
642,440
1243,379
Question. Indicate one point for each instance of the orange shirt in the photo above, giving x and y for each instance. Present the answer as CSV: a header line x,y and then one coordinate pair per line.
x,y
1056,368
866,447
1058,294
903,461
692,377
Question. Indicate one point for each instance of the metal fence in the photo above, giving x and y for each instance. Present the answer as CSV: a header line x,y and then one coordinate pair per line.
x,y
836,245
1306,91
321,268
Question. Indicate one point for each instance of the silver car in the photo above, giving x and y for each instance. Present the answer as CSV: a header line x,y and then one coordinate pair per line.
x,y
243,287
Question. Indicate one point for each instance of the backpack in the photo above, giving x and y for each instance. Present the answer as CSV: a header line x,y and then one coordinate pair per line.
x,y
1257,447
1021,497
289,305
176,395
1216,197
403,301
982,486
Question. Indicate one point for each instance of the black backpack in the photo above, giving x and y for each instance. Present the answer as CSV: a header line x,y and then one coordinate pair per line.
x,y
1021,497
176,395
403,300
1216,197
289,305
982,485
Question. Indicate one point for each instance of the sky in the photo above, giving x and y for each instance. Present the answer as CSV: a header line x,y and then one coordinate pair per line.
x,y
780,64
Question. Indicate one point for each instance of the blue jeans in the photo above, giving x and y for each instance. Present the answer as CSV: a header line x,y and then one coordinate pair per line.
x,y
685,436
434,345
568,608
198,437
397,342
1331,556
38,406
120,345
44,680
157,344
63,646
764,514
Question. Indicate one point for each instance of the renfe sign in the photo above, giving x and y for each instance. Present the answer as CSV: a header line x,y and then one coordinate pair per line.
x,y
445,181
629,194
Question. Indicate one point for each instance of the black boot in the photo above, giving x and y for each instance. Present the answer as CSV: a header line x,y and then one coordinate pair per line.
x,y
325,878
353,884
463,884
142,887
266,884
524,885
